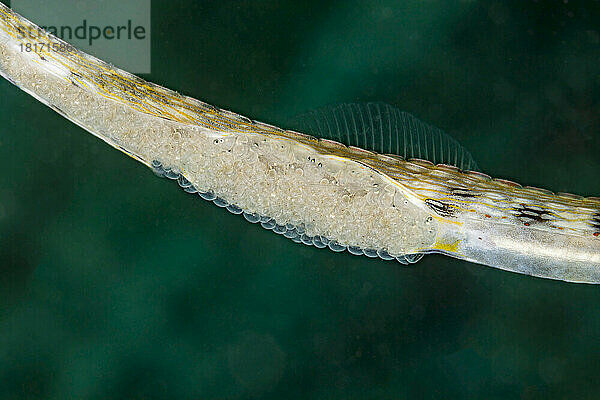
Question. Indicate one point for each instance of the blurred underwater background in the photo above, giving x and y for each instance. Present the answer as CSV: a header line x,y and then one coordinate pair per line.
x,y
117,285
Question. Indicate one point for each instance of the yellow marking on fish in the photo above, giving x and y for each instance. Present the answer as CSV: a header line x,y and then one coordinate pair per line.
x,y
451,247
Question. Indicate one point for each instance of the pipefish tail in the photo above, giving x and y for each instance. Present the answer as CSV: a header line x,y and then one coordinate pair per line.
x,y
316,191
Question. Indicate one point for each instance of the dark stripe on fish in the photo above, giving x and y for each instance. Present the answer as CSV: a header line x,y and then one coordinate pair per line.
x,y
596,222
529,214
463,192
440,208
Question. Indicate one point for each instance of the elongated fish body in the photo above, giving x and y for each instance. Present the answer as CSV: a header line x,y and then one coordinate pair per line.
x,y
314,191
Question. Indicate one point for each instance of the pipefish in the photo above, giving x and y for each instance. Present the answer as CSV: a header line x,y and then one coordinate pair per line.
x,y
316,191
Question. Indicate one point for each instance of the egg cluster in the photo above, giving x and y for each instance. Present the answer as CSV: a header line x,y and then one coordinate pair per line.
x,y
271,179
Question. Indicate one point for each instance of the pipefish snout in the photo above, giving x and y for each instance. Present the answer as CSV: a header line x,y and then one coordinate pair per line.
x,y
355,187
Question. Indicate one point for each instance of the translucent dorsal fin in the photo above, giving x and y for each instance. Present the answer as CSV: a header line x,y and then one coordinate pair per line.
x,y
384,129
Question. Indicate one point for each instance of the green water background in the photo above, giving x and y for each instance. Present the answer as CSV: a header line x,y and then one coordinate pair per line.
x,y
116,284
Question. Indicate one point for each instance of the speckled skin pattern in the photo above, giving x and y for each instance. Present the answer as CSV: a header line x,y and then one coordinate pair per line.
x,y
311,190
